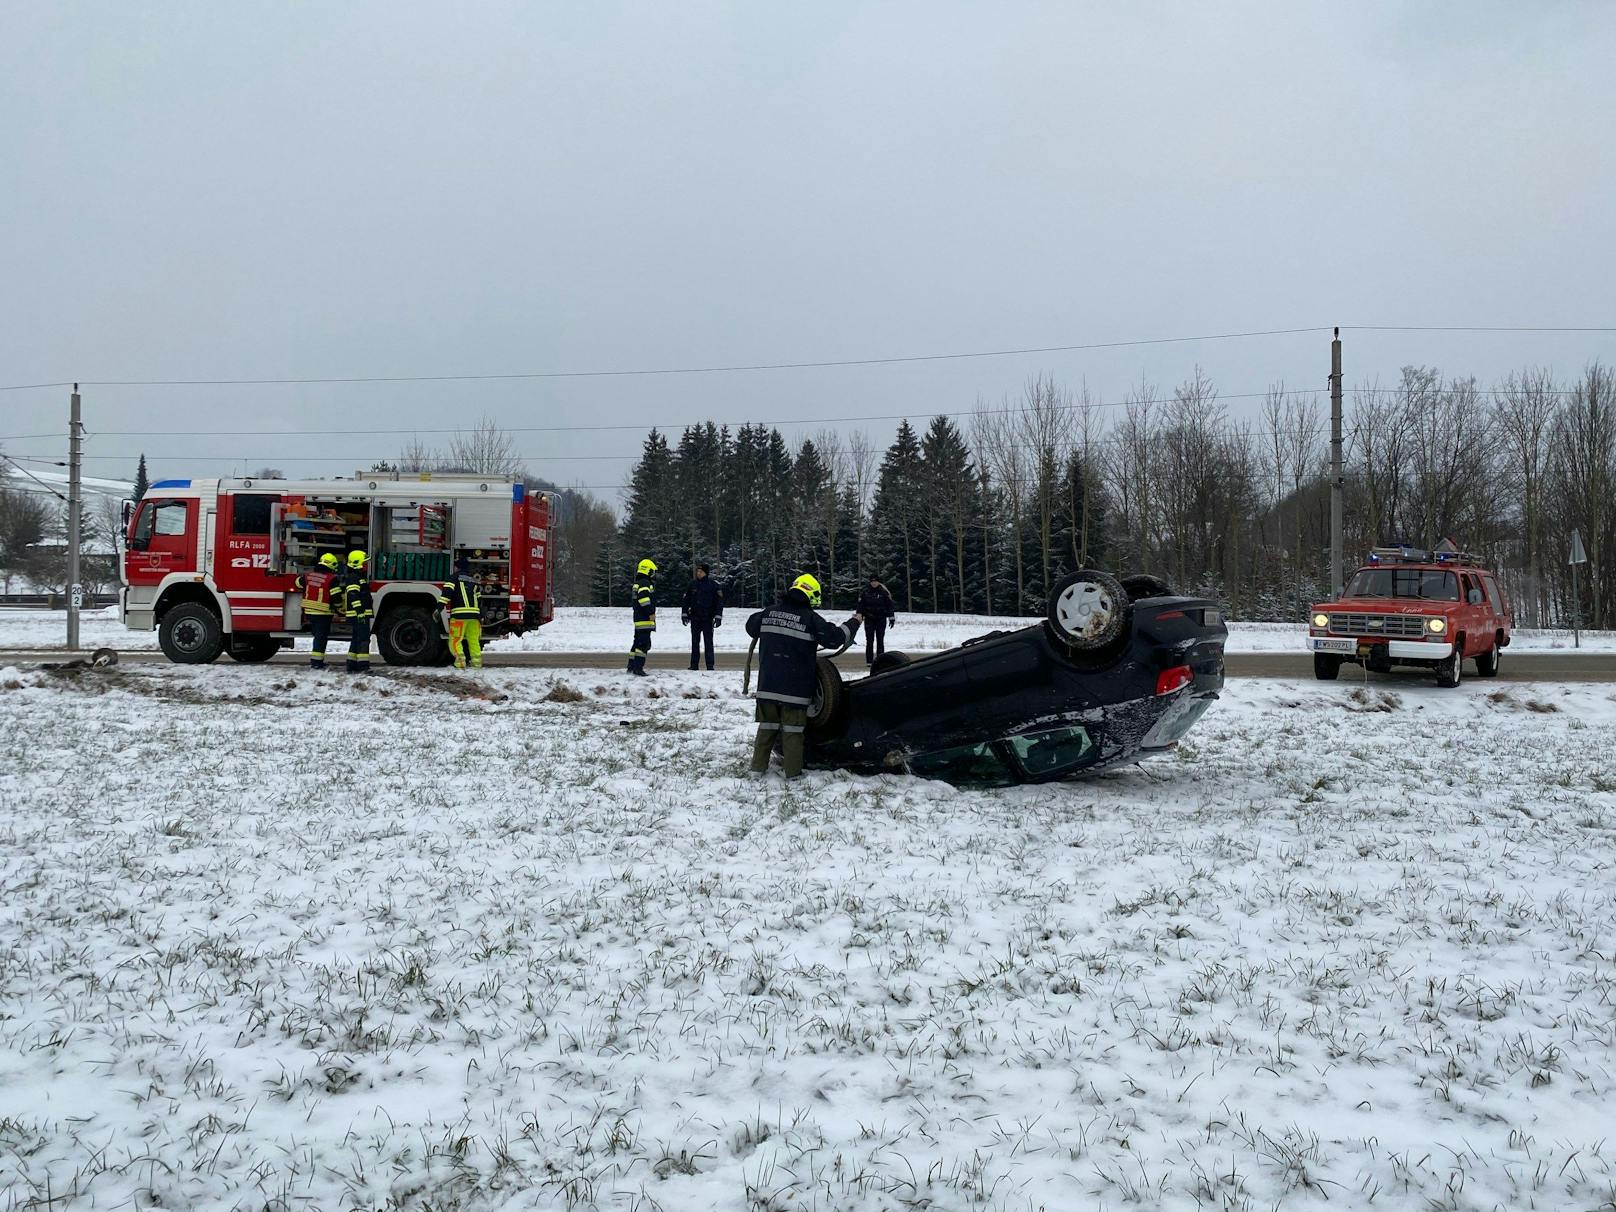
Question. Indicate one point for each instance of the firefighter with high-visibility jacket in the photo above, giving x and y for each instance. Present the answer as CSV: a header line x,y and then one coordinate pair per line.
x,y
317,586
643,596
356,603
463,599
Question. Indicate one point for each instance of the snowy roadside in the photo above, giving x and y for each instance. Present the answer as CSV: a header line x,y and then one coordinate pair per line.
x,y
274,938
601,629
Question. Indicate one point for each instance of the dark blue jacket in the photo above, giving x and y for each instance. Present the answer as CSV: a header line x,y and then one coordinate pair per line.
x,y
789,636
876,604
704,600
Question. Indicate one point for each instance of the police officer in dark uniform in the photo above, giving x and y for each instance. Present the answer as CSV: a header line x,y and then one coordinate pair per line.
x,y
876,606
703,610
790,635
644,597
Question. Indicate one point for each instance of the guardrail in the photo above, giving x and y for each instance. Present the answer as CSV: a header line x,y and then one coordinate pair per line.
x,y
54,601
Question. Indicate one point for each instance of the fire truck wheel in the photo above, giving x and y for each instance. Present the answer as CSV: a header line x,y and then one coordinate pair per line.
x,y
1487,662
1447,669
250,650
190,634
408,635
1326,667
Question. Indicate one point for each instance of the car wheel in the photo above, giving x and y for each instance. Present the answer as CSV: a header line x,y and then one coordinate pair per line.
x,y
191,634
251,650
408,635
1448,669
888,661
828,711
1326,667
1144,585
1487,662
1089,610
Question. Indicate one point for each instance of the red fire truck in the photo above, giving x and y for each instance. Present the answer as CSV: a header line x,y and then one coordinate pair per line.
x,y
211,564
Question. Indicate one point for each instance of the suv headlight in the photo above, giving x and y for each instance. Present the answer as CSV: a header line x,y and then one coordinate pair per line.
x,y
1321,620
1436,626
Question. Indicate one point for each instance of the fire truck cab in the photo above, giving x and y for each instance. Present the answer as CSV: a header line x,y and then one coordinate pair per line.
x,y
1407,606
213,564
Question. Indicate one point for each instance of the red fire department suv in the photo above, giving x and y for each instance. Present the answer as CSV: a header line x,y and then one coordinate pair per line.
x,y
1432,609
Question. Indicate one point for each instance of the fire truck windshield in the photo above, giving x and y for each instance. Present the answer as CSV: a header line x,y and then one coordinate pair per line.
x,y
1422,583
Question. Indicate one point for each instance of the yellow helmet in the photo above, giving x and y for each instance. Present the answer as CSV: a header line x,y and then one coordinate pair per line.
x,y
810,588
647,567
357,559
328,560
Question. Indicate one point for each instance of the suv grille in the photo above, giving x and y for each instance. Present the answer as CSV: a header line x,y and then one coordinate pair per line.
x,y
1398,626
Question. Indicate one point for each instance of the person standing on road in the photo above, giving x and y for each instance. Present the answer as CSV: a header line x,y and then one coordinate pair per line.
x,y
357,605
703,610
790,635
317,586
876,606
643,596
463,599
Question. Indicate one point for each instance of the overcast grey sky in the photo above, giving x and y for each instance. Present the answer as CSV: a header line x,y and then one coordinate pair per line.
x,y
244,190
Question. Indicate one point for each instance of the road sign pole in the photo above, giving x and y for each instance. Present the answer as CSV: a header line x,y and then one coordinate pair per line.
x,y
1578,556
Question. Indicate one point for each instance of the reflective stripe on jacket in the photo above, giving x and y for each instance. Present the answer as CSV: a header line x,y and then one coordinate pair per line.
x,y
464,598
644,605
355,596
789,637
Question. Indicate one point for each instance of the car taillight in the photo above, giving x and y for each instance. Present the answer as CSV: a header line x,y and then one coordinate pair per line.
x,y
1176,678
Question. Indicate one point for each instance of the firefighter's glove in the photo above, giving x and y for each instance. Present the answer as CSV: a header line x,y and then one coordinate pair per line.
x,y
852,627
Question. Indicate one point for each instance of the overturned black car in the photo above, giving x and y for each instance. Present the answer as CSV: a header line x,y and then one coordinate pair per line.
x,y
1117,670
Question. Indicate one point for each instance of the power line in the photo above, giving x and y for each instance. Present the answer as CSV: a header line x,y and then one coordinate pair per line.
x,y
34,478
672,370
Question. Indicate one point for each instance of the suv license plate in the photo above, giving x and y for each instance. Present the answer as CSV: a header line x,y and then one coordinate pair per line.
x,y
1333,645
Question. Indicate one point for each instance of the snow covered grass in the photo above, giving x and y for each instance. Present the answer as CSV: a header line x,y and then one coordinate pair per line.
x,y
601,629
273,939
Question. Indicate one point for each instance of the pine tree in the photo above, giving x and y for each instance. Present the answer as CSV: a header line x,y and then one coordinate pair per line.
x,y
142,482
951,506
896,533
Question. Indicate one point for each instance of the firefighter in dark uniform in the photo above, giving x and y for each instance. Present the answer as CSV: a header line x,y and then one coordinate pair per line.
x,y
790,635
356,604
702,611
643,596
316,587
463,599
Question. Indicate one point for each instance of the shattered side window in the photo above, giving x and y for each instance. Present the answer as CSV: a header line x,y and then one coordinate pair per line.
x,y
978,765
1054,751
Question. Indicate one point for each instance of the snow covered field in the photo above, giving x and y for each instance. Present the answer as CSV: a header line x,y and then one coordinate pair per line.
x,y
271,939
601,629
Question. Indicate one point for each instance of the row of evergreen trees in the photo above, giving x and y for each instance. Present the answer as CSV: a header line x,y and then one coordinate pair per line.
x,y
929,522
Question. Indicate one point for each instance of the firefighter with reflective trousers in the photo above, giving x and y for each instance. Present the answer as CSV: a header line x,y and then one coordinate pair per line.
x,y
463,599
317,586
790,635
643,596
354,601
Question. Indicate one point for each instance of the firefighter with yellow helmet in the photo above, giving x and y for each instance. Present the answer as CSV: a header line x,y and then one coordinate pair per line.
x,y
356,603
790,635
317,585
643,595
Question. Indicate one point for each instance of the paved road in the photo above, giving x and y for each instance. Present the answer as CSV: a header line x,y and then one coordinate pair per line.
x,y
1517,667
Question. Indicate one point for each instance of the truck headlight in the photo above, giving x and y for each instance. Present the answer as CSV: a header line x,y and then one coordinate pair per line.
x,y
1436,626
1321,620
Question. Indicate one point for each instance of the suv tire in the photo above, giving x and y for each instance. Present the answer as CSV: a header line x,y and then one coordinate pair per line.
x,y
1326,667
191,634
889,660
1449,670
1487,662
1145,585
1090,611
828,711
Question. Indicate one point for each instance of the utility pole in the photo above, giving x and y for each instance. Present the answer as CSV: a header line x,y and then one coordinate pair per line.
x,y
1336,477
75,513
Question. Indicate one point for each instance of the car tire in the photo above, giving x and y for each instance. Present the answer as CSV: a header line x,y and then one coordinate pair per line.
x,y
191,634
1326,668
1449,670
1145,585
888,661
1487,662
253,649
1090,611
408,635
827,713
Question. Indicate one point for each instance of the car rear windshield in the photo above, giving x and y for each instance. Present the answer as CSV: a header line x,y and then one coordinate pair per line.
x,y
1420,583
975,765
1054,751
